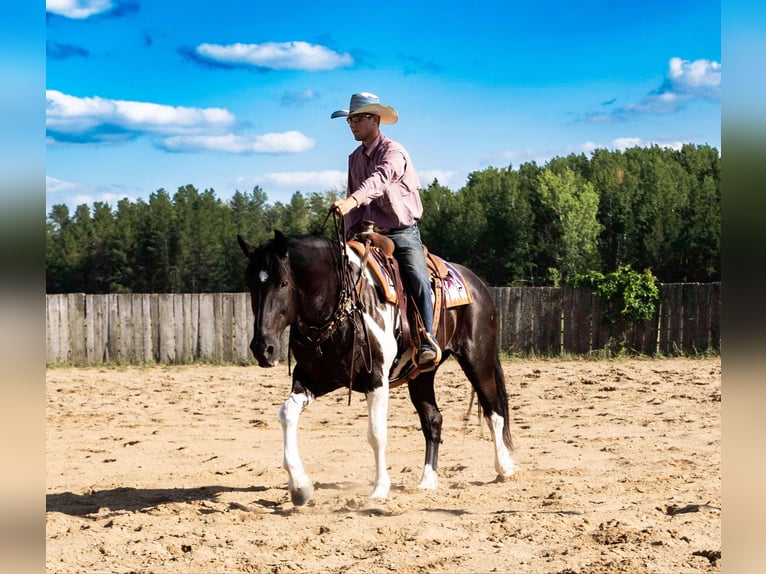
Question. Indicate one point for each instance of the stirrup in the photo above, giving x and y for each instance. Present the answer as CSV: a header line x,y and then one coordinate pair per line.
x,y
428,362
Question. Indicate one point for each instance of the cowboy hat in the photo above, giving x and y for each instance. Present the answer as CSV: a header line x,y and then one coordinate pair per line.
x,y
367,103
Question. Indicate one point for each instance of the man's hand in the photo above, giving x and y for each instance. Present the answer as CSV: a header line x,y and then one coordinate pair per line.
x,y
345,205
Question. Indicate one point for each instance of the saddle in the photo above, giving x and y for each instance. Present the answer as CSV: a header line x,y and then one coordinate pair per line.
x,y
449,289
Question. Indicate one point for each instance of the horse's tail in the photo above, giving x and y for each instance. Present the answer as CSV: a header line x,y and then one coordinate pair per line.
x,y
502,402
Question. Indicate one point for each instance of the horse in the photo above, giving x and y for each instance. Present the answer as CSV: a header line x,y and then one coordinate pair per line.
x,y
344,335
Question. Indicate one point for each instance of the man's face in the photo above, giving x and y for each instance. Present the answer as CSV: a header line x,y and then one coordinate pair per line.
x,y
363,126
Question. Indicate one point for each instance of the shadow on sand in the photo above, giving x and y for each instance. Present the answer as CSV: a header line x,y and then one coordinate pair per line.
x,y
135,499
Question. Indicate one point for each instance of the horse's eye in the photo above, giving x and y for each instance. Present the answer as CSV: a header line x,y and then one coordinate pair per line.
x,y
282,284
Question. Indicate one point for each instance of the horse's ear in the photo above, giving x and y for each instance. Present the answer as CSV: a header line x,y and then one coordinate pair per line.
x,y
247,249
280,243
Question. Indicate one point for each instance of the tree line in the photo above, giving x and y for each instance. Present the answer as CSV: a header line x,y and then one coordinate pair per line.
x,y
645,208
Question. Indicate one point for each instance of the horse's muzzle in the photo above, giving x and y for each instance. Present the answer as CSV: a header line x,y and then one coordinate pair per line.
x,y
265,351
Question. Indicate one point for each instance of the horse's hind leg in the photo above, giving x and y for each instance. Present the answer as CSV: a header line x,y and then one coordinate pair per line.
x,y
488,381
424,400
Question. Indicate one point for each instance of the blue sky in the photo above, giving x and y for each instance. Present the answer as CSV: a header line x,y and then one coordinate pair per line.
x,y
142,95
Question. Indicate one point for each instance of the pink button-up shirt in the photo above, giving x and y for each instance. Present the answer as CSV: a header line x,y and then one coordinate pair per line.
x,y
383,181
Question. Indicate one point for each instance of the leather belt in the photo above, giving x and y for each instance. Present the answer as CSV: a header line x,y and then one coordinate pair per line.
x,y
385,230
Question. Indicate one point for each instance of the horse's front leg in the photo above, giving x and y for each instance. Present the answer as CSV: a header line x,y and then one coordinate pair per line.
x,y
377,436
298,484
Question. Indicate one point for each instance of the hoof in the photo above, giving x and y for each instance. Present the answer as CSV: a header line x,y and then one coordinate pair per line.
x,y
505,478
506,469
301,496
380,493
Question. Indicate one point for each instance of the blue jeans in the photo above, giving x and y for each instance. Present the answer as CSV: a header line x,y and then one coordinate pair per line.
x,y
414,271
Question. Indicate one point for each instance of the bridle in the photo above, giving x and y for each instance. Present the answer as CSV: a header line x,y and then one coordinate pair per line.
x,y
349,306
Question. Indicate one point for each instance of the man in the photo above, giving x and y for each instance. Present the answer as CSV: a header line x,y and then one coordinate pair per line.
x,y
384,188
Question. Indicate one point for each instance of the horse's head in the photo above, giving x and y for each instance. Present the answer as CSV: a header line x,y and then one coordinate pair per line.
x,y
268,279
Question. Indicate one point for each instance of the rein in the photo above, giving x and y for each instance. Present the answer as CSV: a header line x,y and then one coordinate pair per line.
x,y
348,305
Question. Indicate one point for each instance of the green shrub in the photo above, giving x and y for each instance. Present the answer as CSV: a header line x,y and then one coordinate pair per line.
x,y
629,294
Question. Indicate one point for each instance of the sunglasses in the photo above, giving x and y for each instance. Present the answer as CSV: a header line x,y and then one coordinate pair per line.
x,y
358,118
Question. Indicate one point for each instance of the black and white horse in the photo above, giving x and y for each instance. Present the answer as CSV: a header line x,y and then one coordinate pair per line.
x,y
349,340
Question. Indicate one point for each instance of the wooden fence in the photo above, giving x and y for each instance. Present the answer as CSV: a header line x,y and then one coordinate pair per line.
x,y
217,327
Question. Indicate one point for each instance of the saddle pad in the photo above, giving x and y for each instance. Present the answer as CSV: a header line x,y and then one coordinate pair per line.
x,y
455,288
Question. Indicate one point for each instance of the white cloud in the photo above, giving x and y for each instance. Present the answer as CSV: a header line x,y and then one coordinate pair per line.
x,y
286,142
101,119
53,185
628,142
77,9
543,156
298,98
445,177
75,193
700,78
307,180
686,81
275,55
518,157
70,119
625,143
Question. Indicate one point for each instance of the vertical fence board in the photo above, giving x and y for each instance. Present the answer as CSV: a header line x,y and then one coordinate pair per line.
x,y
63,318
138,327
91,329
663,315
179,329
600,329
53,330
548,321
112,329
227,304
510,316
715,316
125,312
195,322
206,329
242,327
500,300
146,312
649,335
571,326
703,342
96,308
497,301
690,302
75,326
167,338
189,322
675,317
527,319
582,316
154,314
218,313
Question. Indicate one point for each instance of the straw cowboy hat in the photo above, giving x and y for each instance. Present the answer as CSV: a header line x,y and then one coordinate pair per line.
x,y
367,103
